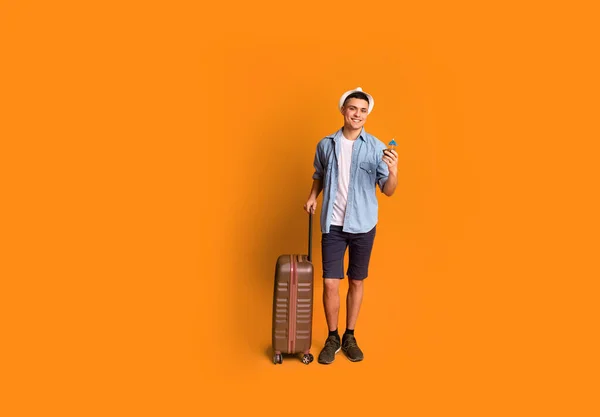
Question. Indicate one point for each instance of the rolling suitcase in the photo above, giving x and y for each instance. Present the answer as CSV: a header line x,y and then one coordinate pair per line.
x,y
293,304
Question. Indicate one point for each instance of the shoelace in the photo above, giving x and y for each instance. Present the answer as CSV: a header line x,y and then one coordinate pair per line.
x,y
351,343
331,344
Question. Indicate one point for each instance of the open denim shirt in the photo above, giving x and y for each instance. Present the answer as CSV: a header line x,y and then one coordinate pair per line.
x,y
367,170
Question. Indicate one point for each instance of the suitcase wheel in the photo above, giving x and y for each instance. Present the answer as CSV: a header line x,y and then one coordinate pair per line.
x,y
277,358
308,358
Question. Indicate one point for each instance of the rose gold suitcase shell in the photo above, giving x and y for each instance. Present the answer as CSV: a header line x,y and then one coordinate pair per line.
x,y
293,305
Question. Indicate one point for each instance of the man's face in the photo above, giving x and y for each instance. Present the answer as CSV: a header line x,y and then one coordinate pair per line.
x,y
355,113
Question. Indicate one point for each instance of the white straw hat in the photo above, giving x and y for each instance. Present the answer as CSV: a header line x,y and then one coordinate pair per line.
x,y
357,89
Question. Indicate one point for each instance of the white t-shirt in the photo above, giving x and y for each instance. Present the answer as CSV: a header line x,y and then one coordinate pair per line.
x,y
341,198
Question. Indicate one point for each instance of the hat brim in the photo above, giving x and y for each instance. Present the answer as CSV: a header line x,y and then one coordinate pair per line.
x,y
347,93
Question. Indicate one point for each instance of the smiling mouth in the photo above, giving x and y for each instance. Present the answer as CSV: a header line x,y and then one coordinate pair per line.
x,y
356,120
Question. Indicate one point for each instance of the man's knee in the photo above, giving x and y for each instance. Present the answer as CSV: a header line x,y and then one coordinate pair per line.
x,y
331,286
356,283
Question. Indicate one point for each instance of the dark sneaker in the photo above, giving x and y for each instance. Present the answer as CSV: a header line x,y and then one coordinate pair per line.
x,y
351,349
332,346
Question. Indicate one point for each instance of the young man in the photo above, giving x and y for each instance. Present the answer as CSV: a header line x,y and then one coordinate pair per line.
x,y
349,165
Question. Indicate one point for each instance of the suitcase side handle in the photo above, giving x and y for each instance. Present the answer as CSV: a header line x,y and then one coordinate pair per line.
x,y
309,237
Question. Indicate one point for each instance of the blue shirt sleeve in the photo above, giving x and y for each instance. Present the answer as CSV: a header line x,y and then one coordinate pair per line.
x,y
383,171
318,175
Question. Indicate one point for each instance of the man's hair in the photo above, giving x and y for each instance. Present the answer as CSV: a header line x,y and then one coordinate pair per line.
x,y
359,95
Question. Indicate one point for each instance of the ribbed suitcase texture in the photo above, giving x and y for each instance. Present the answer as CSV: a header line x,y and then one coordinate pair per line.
x,y
293,305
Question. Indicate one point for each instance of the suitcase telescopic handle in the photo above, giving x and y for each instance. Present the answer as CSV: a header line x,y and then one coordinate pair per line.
x,y
309,237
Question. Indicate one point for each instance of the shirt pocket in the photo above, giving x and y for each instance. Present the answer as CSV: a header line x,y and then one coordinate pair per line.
x,y
367,172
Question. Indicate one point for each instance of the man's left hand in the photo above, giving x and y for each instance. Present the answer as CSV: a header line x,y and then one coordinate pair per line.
x,y
391,159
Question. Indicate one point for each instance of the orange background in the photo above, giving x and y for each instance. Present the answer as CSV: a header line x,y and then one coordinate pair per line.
x,y
155,160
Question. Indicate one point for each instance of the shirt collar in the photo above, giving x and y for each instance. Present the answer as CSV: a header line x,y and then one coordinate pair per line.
x,y
337,135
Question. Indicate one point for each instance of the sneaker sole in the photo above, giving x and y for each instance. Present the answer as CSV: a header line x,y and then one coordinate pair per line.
x,y
327,363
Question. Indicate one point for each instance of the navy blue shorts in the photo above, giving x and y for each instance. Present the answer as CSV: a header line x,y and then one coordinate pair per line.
x,y
333,249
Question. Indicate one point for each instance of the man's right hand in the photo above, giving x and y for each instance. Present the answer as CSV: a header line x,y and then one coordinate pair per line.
x,y
310,206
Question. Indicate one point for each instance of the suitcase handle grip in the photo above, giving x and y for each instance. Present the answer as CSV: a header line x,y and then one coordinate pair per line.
x,y
309,237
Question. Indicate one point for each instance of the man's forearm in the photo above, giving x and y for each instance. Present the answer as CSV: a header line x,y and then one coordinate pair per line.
x,y
317,186
390,185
